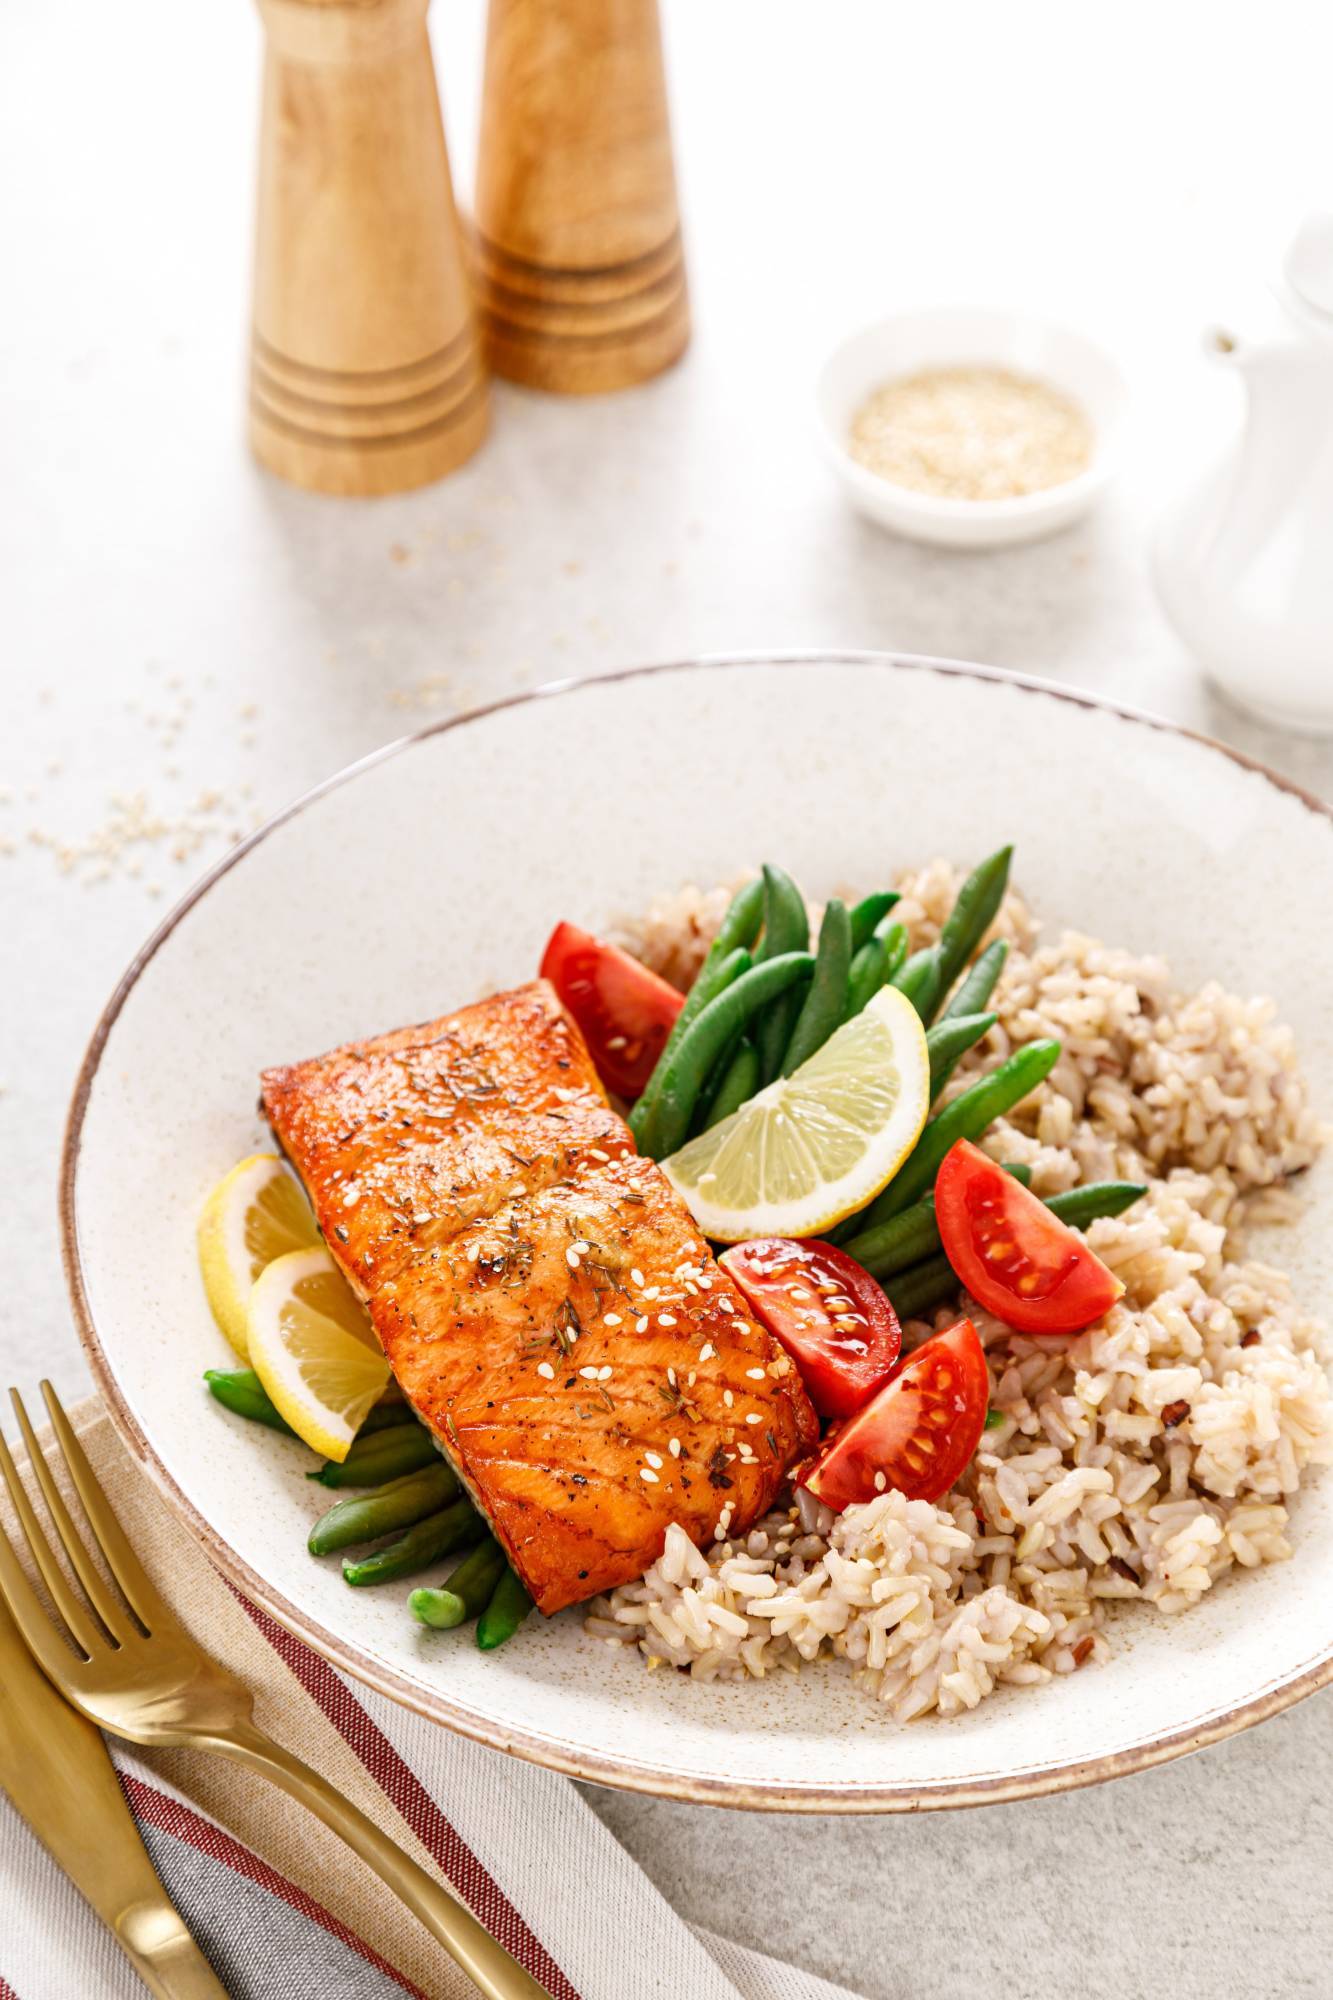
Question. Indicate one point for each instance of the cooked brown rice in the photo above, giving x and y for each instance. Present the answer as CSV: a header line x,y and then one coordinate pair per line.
x,y
1142,1459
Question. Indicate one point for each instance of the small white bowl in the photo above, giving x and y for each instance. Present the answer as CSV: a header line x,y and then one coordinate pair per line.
x,y
970,336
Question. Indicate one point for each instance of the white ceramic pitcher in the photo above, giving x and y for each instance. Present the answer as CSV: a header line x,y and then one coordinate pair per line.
x,y
1244,564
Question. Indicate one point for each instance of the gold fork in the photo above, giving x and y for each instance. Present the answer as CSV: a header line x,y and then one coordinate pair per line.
x,y
136,1672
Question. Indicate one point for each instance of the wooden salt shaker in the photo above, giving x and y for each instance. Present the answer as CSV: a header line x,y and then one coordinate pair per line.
x,y
580,270
366,369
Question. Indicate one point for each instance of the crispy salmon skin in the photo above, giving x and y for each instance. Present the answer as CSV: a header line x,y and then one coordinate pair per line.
x,y
542,1293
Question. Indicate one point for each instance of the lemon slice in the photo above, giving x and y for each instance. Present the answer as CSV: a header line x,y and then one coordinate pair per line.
x,y
255,1213
819,1144
314,1349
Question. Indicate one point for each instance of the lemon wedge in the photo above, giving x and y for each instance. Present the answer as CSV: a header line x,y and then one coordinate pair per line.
x,y
255,1213
817,1145
314,1349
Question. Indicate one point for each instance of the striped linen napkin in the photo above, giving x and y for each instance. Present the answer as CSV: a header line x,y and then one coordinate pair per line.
x,y
282,1908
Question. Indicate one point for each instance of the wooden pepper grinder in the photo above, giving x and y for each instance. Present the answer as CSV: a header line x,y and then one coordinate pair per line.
x,y
580,271
366,370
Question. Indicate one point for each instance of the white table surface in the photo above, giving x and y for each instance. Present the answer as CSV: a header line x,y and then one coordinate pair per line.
x,y
181,629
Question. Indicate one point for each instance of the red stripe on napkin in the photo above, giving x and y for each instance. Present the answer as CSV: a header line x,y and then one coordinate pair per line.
x,y
6,1990
170,1816
446,1846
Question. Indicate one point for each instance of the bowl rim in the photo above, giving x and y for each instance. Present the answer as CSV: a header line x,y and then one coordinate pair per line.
x,y
1068,494
622,1772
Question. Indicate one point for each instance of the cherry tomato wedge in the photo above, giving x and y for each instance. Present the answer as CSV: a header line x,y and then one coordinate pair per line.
x,y
829,1314
1016,1258
624,1011
919,1432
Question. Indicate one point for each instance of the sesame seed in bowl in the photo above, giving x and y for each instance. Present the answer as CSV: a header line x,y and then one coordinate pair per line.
x,y
970,427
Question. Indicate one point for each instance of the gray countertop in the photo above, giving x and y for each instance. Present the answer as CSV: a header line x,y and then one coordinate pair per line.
x,y
188,645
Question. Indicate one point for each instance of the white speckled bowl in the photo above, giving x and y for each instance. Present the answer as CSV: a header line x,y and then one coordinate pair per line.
x,y
434,871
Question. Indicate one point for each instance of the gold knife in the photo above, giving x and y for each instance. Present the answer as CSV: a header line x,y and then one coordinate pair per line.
x,y
55,1768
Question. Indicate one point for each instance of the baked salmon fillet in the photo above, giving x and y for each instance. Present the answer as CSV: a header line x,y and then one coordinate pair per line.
x,y
543,1295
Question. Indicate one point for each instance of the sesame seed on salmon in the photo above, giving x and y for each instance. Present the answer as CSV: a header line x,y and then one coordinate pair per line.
x,y
543,1295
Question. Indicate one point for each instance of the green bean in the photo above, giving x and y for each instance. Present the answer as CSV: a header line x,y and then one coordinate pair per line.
x,y
875,965
979,982
439,1609
467,1592
786,920
920,980
508,1607
387,1454
825,1005
972,914
737,931
740,926
473,1581
897,1244
424,1543
364,1517
916,1290
966,1117
994,1419
738,1085
928,974
867,915
904,1239
869,970
949,1040
713,977
385,1417
712,980
705,1041
895,944
241,1391
1082,1205
701,1116
710,1087
912,1293
786,929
